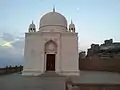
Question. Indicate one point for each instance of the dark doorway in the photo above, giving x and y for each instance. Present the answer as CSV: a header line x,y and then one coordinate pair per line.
x,y
50,62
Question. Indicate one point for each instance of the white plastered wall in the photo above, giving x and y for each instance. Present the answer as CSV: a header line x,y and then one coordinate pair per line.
x,y
54,36
69,54
33,55
66,61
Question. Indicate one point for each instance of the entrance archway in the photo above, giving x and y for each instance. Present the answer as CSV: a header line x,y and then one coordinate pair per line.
x,y
50,62
50,52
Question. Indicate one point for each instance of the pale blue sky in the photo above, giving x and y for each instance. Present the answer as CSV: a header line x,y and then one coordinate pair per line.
x,y
95,20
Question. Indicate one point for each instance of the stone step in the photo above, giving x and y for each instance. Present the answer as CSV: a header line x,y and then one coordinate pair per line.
x,y
50,74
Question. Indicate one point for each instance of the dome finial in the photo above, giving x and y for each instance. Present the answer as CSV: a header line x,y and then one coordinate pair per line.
x,y
53,8
32,21
71,21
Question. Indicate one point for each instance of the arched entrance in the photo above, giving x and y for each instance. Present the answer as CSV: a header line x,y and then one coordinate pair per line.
x,y
50,62
50,52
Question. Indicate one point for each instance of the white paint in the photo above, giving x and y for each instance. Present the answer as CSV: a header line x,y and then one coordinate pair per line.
x,y
64,45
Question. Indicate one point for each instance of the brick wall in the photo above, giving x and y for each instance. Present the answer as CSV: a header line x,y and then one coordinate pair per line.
x,y
102,64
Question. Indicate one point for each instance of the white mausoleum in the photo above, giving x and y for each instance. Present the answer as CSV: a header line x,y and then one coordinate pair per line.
x,y
54,47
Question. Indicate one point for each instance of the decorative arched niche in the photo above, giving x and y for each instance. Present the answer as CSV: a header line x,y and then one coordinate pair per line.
x,y
50,47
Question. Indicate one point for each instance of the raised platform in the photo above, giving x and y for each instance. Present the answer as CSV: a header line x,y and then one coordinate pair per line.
x,y
53,81
42,82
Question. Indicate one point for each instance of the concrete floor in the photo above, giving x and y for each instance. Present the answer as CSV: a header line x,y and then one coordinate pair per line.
x,y
52,81
19,82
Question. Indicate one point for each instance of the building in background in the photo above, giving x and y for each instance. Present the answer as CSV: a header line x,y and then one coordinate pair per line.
x,y
107,49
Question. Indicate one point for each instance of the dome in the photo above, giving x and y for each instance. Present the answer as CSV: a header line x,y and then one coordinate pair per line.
x,y
53,19
71,25
32,25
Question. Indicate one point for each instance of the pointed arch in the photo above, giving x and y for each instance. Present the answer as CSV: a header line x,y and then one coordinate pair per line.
x,y
50,47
